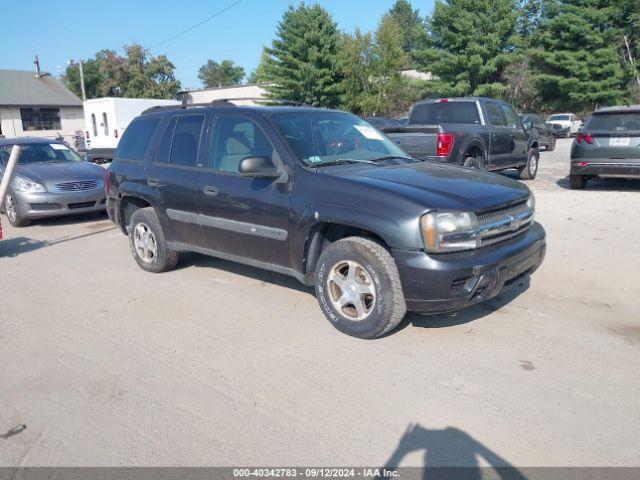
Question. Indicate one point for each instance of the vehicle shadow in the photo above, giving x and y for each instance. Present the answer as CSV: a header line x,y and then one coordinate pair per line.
x,y
191,259
72,219
605,184
449,453
12,247
469,314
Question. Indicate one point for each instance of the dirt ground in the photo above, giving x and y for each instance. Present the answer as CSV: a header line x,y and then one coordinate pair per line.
x,y
221,364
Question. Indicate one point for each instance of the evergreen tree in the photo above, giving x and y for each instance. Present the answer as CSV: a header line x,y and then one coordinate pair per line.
x,y
225,73
472,42
577,55
303,59
413,34
259,74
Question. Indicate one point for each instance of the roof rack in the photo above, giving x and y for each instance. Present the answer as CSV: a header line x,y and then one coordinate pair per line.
x,y
222,102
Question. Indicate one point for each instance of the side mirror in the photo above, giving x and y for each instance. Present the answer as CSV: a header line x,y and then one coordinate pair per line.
x,y
527,124
259,167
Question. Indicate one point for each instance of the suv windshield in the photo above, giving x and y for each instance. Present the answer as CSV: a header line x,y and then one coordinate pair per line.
x,y
445,112
619,122
326,137
558,117
41,153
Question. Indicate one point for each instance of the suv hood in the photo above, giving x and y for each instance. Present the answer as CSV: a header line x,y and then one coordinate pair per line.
x,y
440,186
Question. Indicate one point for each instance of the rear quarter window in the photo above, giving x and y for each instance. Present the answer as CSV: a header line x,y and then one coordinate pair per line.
x,y
446,112
136,139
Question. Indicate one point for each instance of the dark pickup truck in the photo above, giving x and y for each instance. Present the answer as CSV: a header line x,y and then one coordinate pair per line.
x,y
480,133
322,196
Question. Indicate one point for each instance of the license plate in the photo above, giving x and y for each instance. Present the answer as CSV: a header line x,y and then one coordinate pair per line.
x,y
619,142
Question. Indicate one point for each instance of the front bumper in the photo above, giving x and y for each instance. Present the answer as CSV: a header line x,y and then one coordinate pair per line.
x,y
627,168
48,204
433,283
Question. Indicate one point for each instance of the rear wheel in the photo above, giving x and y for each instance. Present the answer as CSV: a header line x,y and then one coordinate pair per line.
x,y
148,243
529,170
12,212
577,182
473,162
358,288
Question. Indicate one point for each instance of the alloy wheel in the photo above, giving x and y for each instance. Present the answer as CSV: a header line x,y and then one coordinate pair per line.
x,y
351,290
144,242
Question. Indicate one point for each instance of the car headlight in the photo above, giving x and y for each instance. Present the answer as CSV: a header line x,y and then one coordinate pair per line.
x,y
449,231
25,184
531,203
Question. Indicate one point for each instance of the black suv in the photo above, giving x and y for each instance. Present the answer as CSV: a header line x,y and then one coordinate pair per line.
x,y
323,196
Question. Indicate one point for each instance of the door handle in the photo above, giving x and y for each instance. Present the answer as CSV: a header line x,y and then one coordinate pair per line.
x,y
153,182
210,191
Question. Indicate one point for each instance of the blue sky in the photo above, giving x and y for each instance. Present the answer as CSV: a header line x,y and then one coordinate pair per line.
x,y
58,31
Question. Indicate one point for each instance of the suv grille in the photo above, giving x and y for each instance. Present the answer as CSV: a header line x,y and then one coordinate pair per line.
x,y
504,223
79,185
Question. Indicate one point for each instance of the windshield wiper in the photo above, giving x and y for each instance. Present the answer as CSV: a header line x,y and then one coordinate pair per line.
x,y
390,157
343,160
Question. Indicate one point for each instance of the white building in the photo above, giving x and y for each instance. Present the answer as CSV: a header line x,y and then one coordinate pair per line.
x,y
37,106
208,95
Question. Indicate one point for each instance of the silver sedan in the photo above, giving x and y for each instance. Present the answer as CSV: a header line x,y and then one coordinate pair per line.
x,y
50,180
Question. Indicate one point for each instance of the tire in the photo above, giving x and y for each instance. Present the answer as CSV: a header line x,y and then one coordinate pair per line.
x,y
552,145
372,277
473,162
10,208
530,169
577,182
148,243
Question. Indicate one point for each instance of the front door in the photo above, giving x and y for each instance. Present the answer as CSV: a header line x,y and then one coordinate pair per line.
x,y
500,135
519,141
174,174
242,216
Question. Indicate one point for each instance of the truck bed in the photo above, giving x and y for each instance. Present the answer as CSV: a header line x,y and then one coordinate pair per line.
x,y
418,141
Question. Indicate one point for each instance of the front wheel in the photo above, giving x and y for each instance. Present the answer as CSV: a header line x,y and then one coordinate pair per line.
x,y
358,288
529,170
552,145
148,243
13,213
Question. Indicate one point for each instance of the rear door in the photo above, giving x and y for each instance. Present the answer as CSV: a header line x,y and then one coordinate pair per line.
x,y
174,175
242,216
500,135
614,136
519,137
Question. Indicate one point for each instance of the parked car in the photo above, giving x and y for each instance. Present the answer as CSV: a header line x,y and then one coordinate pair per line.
x,y
558,130
322,196
607,146
546,135
479,133
569,121
50,180
380,122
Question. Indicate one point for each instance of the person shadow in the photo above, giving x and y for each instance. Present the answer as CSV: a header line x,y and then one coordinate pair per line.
x,y
449,454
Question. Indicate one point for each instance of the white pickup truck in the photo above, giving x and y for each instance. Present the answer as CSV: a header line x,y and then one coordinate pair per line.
x,y
106,120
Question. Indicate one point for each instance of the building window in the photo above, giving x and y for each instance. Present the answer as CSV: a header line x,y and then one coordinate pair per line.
x,y
40,119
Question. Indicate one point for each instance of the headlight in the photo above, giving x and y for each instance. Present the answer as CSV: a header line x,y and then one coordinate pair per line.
x,y
531,201
25,184
449,231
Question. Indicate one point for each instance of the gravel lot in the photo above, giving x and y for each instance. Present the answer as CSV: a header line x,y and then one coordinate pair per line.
x,y
220,364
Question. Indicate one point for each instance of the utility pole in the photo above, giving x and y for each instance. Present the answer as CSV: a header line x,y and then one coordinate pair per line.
x,y
84,93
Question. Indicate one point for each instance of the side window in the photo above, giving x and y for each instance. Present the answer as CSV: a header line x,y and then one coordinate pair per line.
x,y
512,119
164,150
94,125
105,124
186,140
235,137
136,138
494,114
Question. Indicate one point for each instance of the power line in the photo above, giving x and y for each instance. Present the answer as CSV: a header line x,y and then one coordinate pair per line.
x,y
219,12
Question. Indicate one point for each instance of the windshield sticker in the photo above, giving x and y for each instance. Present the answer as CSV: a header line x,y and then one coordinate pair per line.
x,y
315,159
368,132
58,146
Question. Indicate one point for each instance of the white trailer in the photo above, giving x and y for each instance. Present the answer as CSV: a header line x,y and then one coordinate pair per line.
x,y
107,118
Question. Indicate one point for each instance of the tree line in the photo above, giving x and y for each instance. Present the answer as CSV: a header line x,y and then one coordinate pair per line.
x,y
544,55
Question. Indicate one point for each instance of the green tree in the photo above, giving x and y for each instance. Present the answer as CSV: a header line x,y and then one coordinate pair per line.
x,y
471,44
225,73
413,34
303,59
259,74
137,74
577,56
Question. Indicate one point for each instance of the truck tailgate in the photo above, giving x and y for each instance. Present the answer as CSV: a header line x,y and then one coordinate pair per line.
x,y
418,142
